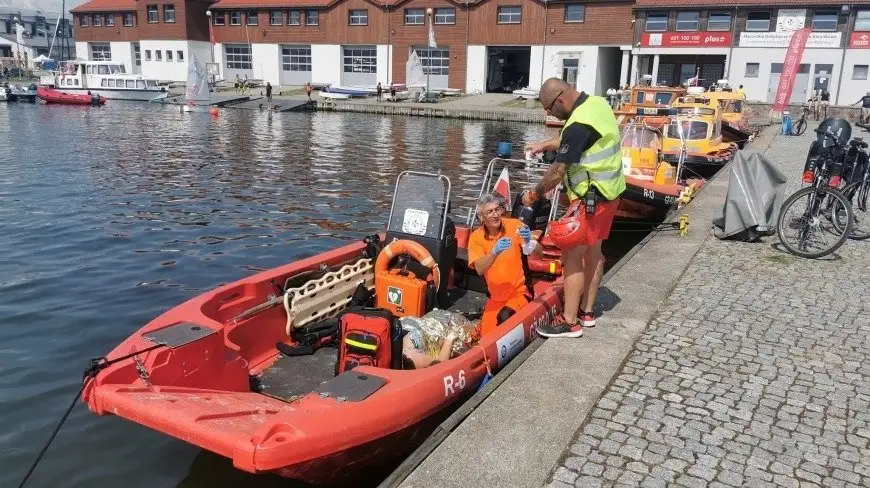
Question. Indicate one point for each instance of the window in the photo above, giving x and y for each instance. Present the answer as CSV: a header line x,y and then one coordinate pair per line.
x,y
312,18
719,21
862,20
235,18
110,20
663,98
220,18
131,83
147,55
360,60
83,21
758,21
692,129
825,20
98,20
687,21
293,18
445,15
238,56
656,22
168,55
169,13
434,61
276,17
180,56
358,17
859,72
252,17
296,58
137,53
414,16
751,70
575,12
510,15
101,52
152,14
128,20
107,82
158,55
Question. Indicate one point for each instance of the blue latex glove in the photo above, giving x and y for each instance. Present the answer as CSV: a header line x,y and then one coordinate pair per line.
x,y
501,245
525,233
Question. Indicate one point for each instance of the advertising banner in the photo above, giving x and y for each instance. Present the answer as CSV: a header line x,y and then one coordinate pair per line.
x,y
860,40
686,39
781,39
789,68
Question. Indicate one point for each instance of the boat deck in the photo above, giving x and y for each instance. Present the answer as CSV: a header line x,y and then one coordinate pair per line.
x,y
294,376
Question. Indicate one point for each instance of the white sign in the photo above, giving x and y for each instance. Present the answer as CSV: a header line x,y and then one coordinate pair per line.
x,y
782,39
791,19
510,345
415,221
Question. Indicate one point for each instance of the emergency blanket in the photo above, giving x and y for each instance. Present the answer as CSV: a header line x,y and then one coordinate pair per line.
x,y
429,331
754,199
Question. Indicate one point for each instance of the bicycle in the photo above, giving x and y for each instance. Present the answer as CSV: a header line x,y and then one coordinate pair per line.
x,y
801,125
824,206
857,188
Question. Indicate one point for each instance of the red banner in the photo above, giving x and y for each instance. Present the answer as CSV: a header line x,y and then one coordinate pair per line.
x,y
685,39
860,40
789,68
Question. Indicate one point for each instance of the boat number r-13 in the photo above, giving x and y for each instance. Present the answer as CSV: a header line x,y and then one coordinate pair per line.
x,y
452,385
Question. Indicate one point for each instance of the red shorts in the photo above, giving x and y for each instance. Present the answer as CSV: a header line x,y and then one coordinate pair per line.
x,y
598,224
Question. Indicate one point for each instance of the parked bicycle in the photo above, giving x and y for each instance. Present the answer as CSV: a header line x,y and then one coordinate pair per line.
x,y
800,126
856,188
817,207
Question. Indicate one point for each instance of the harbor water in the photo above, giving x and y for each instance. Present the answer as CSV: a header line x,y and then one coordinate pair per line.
x,y
112,215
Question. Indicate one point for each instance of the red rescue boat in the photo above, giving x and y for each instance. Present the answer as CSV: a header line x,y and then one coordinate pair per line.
x,y
214,376
50,95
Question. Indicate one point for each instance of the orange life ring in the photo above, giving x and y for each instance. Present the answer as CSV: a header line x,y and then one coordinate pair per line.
x,y
413,249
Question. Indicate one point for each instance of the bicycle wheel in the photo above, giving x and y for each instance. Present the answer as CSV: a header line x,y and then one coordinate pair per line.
x,y
857,194
800,127
815,233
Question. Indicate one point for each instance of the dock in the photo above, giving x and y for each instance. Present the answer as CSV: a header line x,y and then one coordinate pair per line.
x,y
714,363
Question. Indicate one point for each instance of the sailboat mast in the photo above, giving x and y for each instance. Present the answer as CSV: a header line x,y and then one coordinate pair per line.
x,y
64,44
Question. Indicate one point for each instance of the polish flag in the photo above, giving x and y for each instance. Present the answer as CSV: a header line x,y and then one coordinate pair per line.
x,y
503,187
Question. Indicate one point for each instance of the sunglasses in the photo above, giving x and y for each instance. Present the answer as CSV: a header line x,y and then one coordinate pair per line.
x,y
550,106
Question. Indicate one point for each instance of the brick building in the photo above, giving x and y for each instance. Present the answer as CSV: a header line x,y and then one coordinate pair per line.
x,y
747,43
482,45
154,38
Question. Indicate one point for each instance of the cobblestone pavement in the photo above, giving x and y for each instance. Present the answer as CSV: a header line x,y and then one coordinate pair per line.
x,y
755,372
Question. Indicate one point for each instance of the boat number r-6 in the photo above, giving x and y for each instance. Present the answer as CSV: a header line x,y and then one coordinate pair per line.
x,y
451,384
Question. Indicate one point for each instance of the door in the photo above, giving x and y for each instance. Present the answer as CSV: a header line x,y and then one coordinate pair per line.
x,y
799,89
295,65
569,71
436,65
360,66
822,77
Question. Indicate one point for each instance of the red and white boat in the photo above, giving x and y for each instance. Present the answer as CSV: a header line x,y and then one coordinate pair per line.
x,y
217,380
50,95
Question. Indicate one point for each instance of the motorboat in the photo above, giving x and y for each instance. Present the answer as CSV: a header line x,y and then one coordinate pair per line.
x,y
692,139
653,185
21,93
649,98
526,92
49,95
211,371
333,96
104,78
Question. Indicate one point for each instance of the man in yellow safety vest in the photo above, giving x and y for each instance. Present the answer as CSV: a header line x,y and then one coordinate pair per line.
x,y
589,164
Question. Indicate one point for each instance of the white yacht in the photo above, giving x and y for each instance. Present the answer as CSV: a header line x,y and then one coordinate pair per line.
x,y
105,78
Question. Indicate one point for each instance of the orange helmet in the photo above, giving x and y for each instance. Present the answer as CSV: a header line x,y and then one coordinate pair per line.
x,y
568,231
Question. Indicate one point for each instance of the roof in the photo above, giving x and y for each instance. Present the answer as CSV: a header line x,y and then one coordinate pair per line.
x,y
744,3
270,3
105,6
